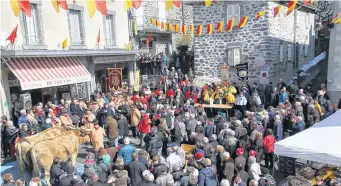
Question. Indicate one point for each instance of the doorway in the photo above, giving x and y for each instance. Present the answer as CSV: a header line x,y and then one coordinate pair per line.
x,y
36,96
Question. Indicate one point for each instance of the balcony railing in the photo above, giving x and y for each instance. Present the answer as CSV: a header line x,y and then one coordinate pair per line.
x,y
143,23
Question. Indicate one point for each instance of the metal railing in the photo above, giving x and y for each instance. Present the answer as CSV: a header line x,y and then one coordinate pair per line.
x,y
143,23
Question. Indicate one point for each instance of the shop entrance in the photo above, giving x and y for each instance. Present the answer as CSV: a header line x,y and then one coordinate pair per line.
x,y
36,96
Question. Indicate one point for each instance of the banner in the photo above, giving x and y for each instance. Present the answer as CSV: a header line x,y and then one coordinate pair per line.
x,y
115,78
243,72
137,81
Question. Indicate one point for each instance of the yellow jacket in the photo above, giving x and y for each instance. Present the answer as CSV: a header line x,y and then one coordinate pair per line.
x,y
318,108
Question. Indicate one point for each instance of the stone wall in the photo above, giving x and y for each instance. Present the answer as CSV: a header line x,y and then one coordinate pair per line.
x,y
260,38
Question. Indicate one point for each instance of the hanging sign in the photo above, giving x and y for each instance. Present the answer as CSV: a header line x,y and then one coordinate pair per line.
x,y
264,77
225,72
243,72
115,78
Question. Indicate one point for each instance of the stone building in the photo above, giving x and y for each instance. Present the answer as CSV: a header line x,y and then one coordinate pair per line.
x,y
271,38
163,40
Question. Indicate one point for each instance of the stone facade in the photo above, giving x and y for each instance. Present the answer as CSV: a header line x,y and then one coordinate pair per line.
x,y
260,38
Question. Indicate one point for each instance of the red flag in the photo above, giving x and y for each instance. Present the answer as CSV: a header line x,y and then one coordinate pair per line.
x,y
149,39
307,2
334,18
25,7
177,3
99,36
102,7
136,3
13,35
63,4
291,6
277,10
230,25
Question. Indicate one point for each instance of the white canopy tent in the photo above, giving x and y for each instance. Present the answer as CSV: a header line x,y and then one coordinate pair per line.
x,y
320,143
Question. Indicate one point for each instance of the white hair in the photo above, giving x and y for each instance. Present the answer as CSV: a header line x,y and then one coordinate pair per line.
x,y
253,183
206,140
126,140
226,125
277,117
237,122
224,182
226,155
299,118
23,111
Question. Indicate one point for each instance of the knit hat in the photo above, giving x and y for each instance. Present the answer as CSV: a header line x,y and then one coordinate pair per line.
x,y
198,156
253,153
240,151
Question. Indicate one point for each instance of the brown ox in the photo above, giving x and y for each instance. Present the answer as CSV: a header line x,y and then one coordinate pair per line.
x,y
65,147
24,146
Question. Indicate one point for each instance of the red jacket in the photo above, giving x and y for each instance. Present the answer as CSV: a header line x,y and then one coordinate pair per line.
x,y
195,98
170,93
269,144
144,125
134,98
187,94
157,92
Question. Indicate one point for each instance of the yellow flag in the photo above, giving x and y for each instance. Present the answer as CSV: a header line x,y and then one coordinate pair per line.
x,y
338,21
169,5
15,7
55,5
208,3
91,5
137,81
64,44
135,28
127,4
128,47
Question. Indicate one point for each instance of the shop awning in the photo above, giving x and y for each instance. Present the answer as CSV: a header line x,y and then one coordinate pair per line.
x,y
34,73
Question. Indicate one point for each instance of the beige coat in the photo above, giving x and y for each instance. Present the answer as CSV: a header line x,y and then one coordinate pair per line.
x,y
97,138
135,117
65,120
87,120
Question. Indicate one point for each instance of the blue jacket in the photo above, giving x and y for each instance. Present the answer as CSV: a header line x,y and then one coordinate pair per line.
x,y
283,97
298,127
126,153
207,177
21,119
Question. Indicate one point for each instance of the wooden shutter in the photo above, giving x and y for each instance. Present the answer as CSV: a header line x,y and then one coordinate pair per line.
x,y
230,12
230,57
236,12
31,26
139,17
108,31
281,53
236,56
290,52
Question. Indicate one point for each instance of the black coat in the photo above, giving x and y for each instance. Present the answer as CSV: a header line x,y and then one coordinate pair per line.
x,y
123,128
101,116
146,183
68,180
55,172
11,134
76,110
135,170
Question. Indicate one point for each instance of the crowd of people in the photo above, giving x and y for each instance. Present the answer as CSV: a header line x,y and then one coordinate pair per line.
x,y
228,148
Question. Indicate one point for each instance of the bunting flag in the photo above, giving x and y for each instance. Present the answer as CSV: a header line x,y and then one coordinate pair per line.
x,y
307,2
102,7
230,25
15,7
128,47
64,44
191,27
220,26
291,6
209,29
63,4
99,36
208,3
277,10
135,28
136,4
260,14
91,5
13,35
334,18
152,21
338,21
169,5
177,28
127,4
137,81
177,3
25,7
149,39
243,22
158,23
163,25
184,29
170,27
199,30
55,5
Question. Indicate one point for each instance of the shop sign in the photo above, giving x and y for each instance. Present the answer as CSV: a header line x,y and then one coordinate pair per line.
x,y
225,72
113,59
81,90
14,83
53,83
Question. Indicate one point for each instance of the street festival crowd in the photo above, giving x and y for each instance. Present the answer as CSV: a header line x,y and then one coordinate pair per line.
x,y
227,148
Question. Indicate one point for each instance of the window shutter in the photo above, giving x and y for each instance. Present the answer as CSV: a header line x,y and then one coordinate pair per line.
x,y
236,12
306,46
281,53
139,17
162,11
108,30
289,52
301,50
236,56
230,12
230,58
307,20
31,26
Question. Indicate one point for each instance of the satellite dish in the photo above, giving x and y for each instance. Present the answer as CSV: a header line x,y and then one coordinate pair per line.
x,y
259,61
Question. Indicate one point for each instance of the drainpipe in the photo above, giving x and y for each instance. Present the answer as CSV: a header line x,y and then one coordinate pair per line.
x,y
295,58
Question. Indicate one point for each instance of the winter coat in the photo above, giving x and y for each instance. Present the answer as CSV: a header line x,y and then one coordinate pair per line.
x,y
240,160
207,177
121,177
55,172
313,115
111,128
240,131
135,117
147,183
283,97
298,127
122,126
192,124
278,130
209,130
152,142
274,99
228,170
102,115
126,153
299,111
161,180
135,170
22,119
144,124
269,144
68,180
260,149
172,161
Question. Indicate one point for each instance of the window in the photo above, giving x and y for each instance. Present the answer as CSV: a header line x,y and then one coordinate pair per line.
x,y
109,30
234,56
162,11
290,48
33,34
306,46
301,49
281,16
77,37
139,17
281,53
306,20
233,12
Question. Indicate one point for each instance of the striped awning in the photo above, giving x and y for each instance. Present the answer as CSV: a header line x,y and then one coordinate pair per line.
x,y
34,73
